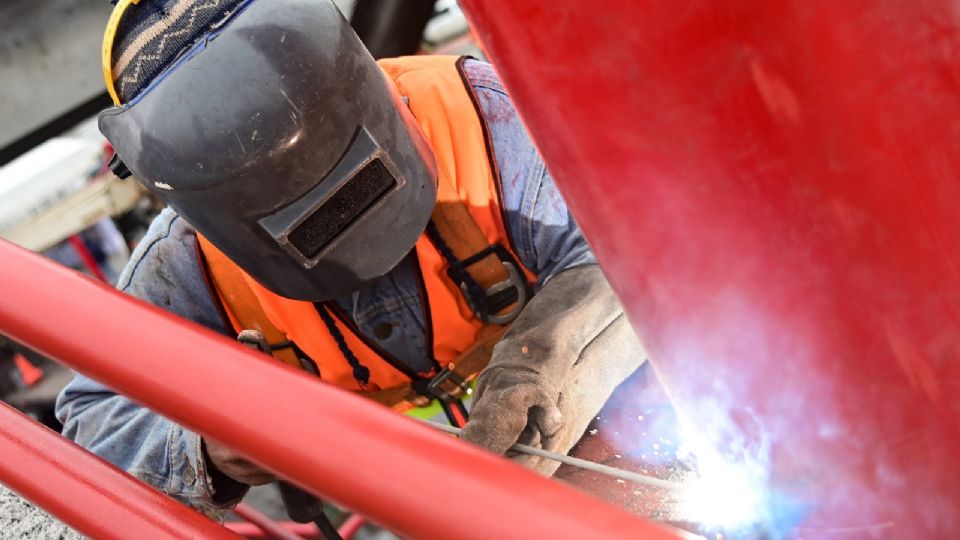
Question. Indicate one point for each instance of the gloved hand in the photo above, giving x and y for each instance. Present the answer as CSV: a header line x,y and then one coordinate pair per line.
x,y
514,405
232,474
554,369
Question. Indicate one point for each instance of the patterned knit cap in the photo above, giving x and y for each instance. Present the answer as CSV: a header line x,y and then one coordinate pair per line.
x,y
152,34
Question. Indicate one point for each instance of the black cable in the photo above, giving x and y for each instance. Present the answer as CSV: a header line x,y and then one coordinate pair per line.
x,y
327,530
304,507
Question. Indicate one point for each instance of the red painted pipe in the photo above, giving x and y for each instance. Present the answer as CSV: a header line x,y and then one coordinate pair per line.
x,y
271,528
87,493
338,445
250,531
772,187
350,527
86,257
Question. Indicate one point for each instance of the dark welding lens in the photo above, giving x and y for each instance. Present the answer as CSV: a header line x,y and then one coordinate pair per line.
x,y
360,180
353,198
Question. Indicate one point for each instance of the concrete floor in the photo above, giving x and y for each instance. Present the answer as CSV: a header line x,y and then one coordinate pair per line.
x,y
22,520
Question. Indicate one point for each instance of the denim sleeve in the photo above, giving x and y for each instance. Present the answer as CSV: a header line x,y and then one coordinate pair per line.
x,y
544,234
165,272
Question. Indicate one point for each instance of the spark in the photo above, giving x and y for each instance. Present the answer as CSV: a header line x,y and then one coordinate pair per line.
x,y
727,492
723,496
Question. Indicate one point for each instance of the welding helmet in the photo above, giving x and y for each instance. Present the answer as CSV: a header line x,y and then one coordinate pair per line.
x,y
274,133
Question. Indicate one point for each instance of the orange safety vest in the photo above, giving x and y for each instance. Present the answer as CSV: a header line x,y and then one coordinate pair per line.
x,y
468,217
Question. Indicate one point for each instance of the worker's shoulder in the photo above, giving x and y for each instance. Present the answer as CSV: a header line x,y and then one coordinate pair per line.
x,y
482,76
495,105
163,268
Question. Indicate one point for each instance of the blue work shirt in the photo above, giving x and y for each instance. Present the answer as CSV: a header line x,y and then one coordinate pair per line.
x,y
164,271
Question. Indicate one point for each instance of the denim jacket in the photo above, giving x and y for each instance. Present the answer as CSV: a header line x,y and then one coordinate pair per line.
x,y
164,271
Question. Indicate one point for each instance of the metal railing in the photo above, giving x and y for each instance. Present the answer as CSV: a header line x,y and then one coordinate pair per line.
x,y
86,492
351,451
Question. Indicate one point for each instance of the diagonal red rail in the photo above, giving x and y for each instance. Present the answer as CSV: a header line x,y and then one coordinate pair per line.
x,y
272,529
358,454
87,493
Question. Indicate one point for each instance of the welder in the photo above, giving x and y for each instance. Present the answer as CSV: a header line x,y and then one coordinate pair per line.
x,y
387,226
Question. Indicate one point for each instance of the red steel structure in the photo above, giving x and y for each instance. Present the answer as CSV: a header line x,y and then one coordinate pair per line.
x,y
88,493
89,262
268,526
772,187
340,446
252,532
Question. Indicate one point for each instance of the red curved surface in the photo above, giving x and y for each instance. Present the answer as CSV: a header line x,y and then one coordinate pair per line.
x,y
336,444
350,527
252,532
87,493
772,187
270,528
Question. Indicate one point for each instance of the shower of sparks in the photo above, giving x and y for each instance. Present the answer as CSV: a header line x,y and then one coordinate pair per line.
x,y
726,493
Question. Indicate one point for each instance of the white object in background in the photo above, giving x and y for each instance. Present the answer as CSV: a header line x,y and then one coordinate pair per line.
x,y
45,176
100,199
450,22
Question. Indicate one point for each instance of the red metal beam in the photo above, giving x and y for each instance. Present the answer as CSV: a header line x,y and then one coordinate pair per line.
x,y
772,187
89,262
336,444
351,526
87,493
272,529
250,531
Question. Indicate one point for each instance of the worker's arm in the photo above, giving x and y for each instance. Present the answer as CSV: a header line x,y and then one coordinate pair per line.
x,y
572,345
163,271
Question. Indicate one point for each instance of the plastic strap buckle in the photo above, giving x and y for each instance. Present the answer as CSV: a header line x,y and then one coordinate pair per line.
x,y
499,296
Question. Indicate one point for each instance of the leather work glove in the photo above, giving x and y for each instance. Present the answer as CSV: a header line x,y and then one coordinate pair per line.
x,y
554,369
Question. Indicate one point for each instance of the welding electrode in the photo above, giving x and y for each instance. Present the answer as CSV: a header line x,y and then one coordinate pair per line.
x,y
572,461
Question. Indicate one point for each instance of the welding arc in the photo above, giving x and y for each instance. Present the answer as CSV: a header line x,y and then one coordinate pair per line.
x,y
572,461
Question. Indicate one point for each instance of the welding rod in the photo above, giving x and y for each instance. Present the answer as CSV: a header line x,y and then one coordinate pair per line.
x,y
575,462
